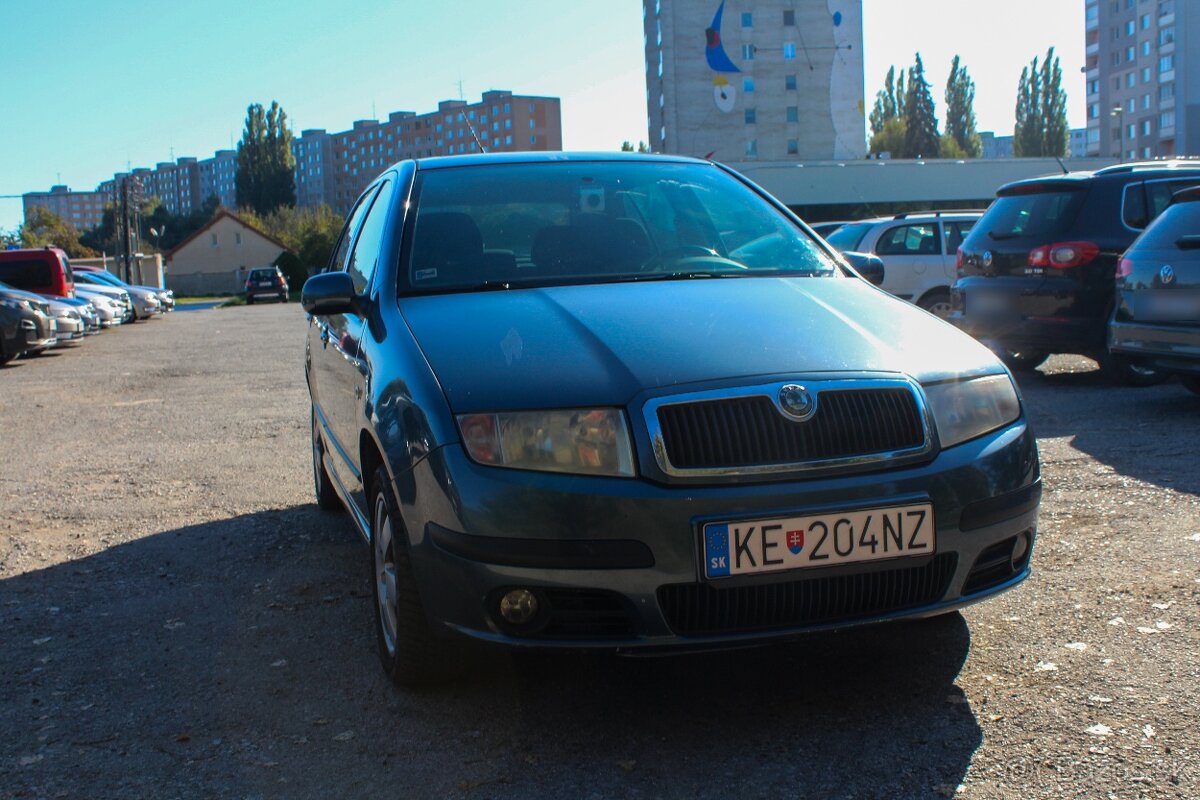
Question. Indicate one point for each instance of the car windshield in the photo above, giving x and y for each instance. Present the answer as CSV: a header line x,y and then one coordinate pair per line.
x,y
848,237
1026,214
510,225
261,274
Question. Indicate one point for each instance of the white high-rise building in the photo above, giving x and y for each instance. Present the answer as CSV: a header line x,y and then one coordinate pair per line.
x,y
766,80
1143,91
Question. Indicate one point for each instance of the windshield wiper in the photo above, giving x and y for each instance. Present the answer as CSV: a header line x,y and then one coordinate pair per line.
x,y
999,237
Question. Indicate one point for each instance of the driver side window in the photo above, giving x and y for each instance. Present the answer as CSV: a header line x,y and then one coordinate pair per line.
x,y
340,255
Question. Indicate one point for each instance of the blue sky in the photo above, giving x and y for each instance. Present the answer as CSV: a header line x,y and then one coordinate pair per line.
x,y
87,88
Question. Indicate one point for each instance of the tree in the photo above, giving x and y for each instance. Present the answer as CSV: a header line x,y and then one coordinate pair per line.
x,y
1056,136
889,102
1041,126
265,163
890,139
960,115
921,137
44,228
627,147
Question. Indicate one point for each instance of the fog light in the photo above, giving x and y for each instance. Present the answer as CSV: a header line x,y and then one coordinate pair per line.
x,y
518,606
1020,549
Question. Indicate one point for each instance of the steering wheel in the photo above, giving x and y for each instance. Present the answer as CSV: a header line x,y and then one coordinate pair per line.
x,y
687,252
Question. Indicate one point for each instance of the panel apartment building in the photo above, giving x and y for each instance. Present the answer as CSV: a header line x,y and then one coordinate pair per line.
x,y
764,80
334,168
1143,90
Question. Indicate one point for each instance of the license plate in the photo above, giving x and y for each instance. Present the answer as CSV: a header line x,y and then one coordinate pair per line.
x,y
1170,307
986,303
264,283
820,540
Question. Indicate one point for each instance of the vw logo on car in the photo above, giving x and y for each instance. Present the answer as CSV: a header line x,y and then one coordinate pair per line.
x,y
1166,274
987,258
797,402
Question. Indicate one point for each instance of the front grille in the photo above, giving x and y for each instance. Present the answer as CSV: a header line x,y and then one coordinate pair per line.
x,y
694,609
752,431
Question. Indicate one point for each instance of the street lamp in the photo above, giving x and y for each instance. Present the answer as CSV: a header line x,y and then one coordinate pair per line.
x,y
157,234
1118,112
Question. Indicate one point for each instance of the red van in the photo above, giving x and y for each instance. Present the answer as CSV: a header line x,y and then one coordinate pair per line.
x,y
44,271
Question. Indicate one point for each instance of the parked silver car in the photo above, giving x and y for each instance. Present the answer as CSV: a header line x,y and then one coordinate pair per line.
x,y
145,301
119,297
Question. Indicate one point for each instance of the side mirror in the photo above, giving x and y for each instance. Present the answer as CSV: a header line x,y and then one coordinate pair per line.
x,y
329,293
867,265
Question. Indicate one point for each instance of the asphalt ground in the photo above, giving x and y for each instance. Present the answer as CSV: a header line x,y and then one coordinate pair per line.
x,y
178,620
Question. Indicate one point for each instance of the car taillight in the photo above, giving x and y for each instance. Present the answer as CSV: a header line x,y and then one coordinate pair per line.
x,y
248,284
1063,255
958,264
1124,268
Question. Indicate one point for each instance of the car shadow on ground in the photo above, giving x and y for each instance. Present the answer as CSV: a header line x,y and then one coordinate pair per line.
x,y
237,657
1159,423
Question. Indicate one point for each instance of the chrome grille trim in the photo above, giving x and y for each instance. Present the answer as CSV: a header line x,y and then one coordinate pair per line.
x,y
848,463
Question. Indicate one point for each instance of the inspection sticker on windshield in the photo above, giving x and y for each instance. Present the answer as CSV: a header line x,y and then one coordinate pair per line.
x,y
774,545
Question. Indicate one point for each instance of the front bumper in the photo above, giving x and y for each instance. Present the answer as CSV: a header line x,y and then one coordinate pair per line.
x,y
619,561
1170,348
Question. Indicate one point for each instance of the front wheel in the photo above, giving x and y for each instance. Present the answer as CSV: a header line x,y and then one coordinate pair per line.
x,y
409,653
1123,372
1023,360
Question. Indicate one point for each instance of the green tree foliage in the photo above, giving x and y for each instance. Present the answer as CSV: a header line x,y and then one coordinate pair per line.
x,y
310,233
172,228
889,101
10,239
265,164
949,148
960,115
890,139
921,137
627,147
44,228
1041,126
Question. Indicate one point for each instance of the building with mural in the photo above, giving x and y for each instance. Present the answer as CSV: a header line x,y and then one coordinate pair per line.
x,y
743,81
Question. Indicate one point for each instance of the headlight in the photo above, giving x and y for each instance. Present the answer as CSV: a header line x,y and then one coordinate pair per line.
x,y
966,409
12,302
587,441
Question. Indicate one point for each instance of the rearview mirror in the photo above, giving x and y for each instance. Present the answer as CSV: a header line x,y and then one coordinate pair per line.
x,y
867,265
329,293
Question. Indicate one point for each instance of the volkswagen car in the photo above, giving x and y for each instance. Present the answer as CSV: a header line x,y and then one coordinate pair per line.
x,y
632,403
1156,321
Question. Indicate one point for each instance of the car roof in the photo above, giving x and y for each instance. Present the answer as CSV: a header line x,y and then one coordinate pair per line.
x,y
545,157
1117,173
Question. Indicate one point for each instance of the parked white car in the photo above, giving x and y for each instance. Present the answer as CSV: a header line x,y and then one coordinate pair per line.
x,y
919,252
118,296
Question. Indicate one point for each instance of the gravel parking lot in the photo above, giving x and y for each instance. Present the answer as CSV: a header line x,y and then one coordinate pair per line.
x,y
178,620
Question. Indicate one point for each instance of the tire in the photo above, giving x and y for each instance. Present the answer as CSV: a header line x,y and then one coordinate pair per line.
x,y
408,652
249,299
327,496
5,356
1024,360
937,302
1123,372
1191,383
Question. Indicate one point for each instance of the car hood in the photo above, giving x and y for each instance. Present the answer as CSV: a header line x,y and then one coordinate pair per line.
x,y
94,288
572,346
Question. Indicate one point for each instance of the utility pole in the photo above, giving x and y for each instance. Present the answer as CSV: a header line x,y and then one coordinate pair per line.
x,y
125,226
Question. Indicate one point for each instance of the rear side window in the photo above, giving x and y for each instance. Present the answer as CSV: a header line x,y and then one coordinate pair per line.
x,y
1181,219
909,240
956,232
1039,214
1143,202
26,274
848,237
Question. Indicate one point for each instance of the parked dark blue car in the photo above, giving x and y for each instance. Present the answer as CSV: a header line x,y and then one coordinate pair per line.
x,y
632,403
